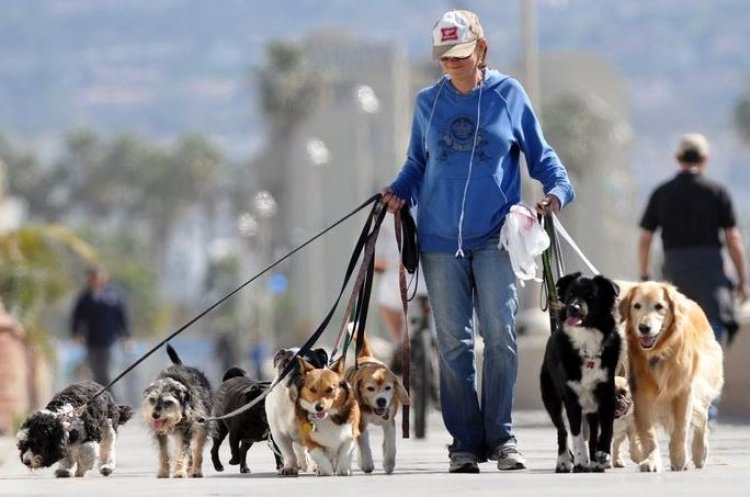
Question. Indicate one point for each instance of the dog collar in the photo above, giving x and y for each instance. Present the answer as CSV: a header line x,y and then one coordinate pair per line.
x,y
308,427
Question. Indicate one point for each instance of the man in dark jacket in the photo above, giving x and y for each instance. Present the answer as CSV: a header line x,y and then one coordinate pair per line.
x,y
99,320
697,218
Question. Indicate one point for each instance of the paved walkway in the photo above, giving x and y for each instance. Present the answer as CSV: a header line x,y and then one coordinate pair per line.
x,y
421,470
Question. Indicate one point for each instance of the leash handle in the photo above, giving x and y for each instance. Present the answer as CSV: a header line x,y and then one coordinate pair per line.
x,y
548,277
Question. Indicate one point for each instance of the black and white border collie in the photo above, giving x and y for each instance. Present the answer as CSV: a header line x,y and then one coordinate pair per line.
x,y
578,371
76,439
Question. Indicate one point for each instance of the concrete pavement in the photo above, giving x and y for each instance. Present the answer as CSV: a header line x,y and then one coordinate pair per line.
x,y
421,471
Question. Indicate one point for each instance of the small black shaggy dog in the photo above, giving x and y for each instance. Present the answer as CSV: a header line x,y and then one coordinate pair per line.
x,y
59,433
578,371
173,405
251,426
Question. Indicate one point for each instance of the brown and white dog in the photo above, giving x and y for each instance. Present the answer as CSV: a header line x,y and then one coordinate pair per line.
x,y
281,411
379,393
675,371
624,425
328,418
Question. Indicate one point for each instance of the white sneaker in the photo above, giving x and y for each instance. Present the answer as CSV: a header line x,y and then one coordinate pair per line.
x,y
508,457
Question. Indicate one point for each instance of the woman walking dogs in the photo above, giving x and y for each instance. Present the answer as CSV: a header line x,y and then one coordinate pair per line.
x,y
463,172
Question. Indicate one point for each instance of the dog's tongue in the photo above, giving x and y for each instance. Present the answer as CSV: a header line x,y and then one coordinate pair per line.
x,y
379,411
159,423
321,414
571,321
647,342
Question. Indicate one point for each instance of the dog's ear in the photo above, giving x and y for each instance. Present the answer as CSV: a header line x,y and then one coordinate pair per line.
x,y
564,282
401,394
623,308
338,366
677,305
607,287
303,366
321,357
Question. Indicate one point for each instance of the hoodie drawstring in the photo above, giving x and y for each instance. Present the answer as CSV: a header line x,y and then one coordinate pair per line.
x,y
460,251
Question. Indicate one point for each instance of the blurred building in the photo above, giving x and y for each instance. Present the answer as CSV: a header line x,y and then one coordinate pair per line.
x,y
586,116
351,145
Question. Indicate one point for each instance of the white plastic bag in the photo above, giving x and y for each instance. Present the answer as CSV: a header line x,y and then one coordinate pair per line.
x,y
525,239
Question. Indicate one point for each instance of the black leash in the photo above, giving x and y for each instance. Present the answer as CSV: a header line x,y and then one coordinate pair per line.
x,y
374,199
549,287
367,236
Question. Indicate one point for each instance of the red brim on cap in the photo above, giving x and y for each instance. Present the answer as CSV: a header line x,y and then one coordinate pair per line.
x,y
461,50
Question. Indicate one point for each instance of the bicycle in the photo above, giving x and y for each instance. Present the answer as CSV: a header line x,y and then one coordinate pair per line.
x,y
424,382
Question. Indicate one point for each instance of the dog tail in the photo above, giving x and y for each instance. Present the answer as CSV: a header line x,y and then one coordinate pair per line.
x,y
173,355
233,372
365,352
125,413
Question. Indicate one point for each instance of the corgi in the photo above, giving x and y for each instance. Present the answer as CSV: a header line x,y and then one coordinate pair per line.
x,y
280,410
379,393
328,418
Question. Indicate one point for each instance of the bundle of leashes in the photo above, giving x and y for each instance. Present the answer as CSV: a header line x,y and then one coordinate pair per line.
x,y
356,308
553,227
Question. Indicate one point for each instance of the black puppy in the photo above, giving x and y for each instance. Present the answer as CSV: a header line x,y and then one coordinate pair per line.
x,y
59,432
578,372
251,426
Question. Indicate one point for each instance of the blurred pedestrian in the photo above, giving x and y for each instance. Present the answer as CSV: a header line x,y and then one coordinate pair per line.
x,y
98,321
463,172
696,217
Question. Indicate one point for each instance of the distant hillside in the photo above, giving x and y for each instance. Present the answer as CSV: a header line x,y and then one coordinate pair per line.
x,y
164,67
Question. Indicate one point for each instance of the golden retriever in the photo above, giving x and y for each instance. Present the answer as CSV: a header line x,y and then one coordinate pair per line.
x,y
675,371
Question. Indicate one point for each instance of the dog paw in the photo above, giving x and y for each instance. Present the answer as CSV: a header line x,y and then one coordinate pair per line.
x,y
325,472
618,463
288,472
580,468
180,474
234,461
218,467
601,461
107,469
162,474
388,468
197,474
63,473
244,468
564,463
368,468
346,472
682,467
648,467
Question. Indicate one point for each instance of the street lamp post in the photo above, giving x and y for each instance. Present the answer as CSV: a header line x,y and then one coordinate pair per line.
x,y
265,207
367,105
318,155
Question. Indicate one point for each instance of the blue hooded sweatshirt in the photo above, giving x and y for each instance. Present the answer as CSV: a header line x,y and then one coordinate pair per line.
x,y
465,179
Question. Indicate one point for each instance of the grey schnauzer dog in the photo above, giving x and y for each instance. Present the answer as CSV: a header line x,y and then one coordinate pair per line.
x,y
172,407
76,439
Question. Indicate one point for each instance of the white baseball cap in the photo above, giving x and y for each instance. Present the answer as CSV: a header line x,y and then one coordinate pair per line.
x,y
693,147
456,34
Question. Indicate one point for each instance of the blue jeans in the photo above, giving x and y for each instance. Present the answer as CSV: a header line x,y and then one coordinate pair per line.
x,y
483,280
